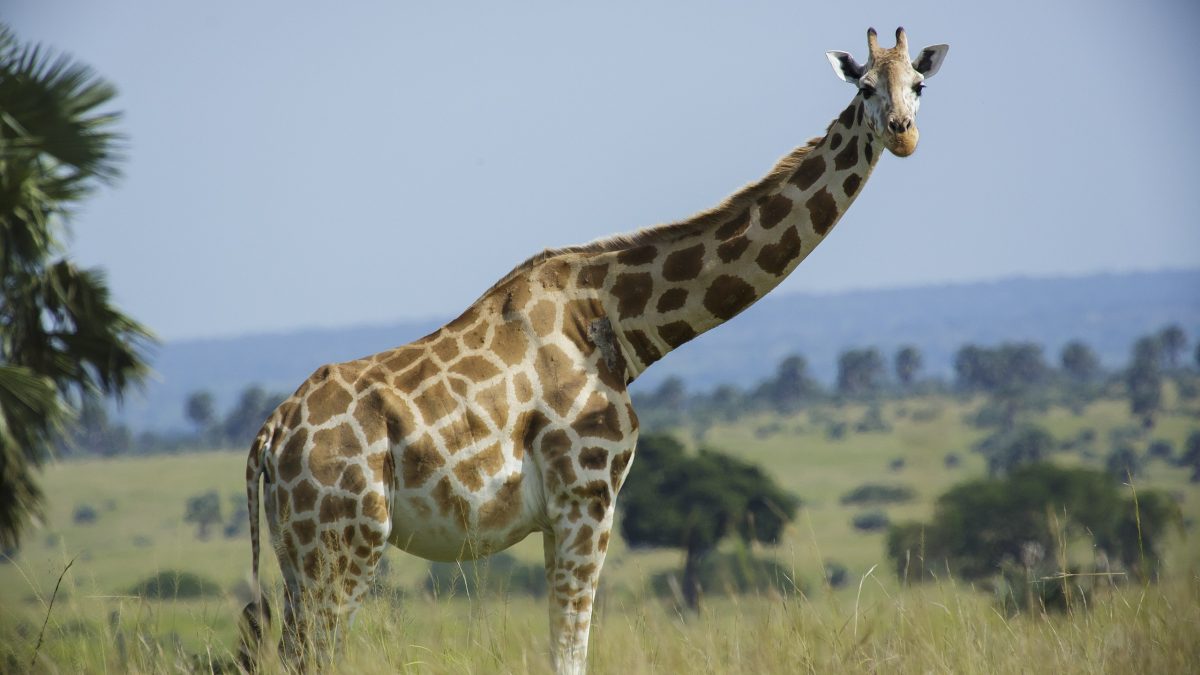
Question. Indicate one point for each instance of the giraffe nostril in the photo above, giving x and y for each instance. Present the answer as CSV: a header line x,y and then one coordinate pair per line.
x,y
897,126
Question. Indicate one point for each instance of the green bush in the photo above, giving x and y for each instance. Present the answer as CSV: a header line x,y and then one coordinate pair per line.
x,y
875,493
871,521
170,584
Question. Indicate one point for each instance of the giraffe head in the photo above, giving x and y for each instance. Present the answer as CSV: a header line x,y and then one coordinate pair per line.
x,y
889,86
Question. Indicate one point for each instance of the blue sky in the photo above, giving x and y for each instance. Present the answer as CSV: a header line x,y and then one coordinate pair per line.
x,y
296,164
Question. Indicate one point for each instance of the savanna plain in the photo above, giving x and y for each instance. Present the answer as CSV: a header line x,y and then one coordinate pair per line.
x,y
105,615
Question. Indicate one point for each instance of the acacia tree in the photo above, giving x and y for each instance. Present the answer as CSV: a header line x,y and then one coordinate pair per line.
x,y
907,364
61,339
693,502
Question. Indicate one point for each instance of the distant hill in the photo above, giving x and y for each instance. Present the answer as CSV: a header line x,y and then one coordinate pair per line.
x,y
1108,311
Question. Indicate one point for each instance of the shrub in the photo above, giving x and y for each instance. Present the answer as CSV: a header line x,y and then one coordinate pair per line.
x,y
1161,450
872,420
876,493
871,521
85,514
896,464
836,574
176,584
952,460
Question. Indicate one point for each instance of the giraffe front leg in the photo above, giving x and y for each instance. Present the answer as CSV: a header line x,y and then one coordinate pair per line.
x,y
574,557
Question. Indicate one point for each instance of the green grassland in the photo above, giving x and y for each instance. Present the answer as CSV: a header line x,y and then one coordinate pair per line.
x,y
98,624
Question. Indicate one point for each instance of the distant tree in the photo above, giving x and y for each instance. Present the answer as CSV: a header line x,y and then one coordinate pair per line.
x,y
1008,373
1123,462
1173,341
204,510
1190,457
1196,355
61,337
671,395
201,410
693,502
246,417
1079,362
981,523
1143,380
1008,449
860,372
791,385
907,365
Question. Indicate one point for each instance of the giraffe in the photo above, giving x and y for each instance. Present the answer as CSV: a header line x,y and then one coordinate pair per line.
x,y
515,417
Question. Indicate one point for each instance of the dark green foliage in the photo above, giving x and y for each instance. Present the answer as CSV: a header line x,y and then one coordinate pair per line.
x,y
876,493
836,431
1143,380
872,421
239,516
907,365
836,574
1007,450
201,411
952,460
1079,363
897,464
85,514
1123,463
1190,457
979,524
248,414
1009,374
692,502
860,372
172,584
1161,450
790,387
496,574
733,573
204,510
1172,343
61,338
871,521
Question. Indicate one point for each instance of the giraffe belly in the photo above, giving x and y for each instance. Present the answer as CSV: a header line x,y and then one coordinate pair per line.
x,y
451,523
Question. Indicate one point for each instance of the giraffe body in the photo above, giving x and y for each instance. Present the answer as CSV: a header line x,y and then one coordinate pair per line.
x,y
515,417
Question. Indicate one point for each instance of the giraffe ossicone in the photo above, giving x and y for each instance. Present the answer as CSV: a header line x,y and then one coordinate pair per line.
x,y
515,417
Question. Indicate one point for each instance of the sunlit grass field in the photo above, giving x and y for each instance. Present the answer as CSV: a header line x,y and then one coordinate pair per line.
x,y
872,624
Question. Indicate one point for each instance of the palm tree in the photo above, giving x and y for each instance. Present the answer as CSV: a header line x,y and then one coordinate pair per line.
x,y
61,339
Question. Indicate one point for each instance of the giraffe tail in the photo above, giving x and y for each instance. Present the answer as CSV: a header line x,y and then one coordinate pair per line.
x,y
257,614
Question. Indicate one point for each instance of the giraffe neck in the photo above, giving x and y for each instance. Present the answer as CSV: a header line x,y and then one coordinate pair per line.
x,y
674,282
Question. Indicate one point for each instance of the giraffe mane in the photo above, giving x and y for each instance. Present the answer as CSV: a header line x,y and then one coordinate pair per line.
x,y
731,206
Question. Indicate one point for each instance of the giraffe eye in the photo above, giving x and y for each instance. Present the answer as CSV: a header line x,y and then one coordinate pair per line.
x,y
867,91
918,88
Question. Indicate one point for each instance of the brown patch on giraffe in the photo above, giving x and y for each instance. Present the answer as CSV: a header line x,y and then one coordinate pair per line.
x,y
598,497
450,503
553,273
584,572
476,336
579,315
858,113
672,298
602,542
420,460
728,295
374,506
639,255
312,563
543,316
869,152
684,264
598,419
383,467
583,540
562,380
529,425
380,413
446,348
504,508
556,448
509,342
822,211
475,368
470,472
732,249
494,401
847,157
304,497
834,141
516,294
676,333
305,531
772,211
324,460
463,320
432,402
411,379
646,351
370,377
591,276
326,400
522,388
593,458
846,119
291,457
633,291
334,507
575,513
401,358
735,226
353,479
812,168
774,258
617,470
341,439
850,185
282,497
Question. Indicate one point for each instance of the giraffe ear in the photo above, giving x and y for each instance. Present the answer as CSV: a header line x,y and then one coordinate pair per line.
x,y
930,59
845,66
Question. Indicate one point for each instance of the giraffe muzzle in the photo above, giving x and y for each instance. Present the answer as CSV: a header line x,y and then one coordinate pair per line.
x,y
903,143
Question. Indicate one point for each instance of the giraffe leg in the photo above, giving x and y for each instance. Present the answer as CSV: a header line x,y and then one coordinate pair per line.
x,y
574,556
330,565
